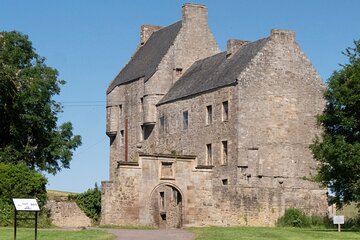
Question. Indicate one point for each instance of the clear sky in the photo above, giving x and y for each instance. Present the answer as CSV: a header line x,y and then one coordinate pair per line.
x,y
89,41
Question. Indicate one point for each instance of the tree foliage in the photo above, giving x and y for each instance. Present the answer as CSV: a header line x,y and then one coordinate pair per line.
x,y
28,113
338,152
18,181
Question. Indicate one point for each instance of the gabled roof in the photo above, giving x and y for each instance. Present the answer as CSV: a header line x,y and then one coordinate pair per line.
x,y
147,58
213,72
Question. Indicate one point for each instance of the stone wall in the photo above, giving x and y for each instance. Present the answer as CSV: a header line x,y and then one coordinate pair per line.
x,y
67,214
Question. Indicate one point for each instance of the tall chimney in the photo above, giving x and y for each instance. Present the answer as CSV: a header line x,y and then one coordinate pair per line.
x,y
146,31
194,12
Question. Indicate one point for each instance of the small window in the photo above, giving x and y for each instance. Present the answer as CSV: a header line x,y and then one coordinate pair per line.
x,y
225,111
185,115
208,154
178,71
162,200
224,154
162,124
225,181
209,114
120,111
122,141
141,104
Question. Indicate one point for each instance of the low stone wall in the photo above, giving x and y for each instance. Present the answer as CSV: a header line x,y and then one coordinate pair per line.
x,y
66,214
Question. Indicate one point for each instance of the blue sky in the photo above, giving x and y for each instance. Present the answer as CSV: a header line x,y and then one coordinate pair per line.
x,y
89,41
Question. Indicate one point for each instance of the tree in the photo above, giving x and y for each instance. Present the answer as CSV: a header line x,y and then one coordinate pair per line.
x,y
28,113
18,181
338,152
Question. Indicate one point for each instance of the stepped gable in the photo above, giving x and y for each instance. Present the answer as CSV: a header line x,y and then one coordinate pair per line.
x,y
213,72
147,58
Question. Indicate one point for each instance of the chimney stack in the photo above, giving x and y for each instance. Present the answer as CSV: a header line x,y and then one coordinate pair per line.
x,y
146,31
282,35
233,45
194,12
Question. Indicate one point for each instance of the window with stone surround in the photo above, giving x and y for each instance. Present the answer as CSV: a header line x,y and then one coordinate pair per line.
x,y
209,160
224,152
209,115
225,111
185,119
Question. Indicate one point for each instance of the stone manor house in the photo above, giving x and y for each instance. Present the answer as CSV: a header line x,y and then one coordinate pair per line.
x,y
204,137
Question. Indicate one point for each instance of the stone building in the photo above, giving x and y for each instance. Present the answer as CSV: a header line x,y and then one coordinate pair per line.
x,y
203,137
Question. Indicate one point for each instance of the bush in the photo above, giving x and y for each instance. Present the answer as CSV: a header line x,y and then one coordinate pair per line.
x,y
294,218
90,202
18,181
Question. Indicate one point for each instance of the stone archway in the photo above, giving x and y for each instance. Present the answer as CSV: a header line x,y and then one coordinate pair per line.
x,y
166,203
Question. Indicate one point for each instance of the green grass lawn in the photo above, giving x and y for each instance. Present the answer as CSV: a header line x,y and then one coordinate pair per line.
x,y
252,233
55,234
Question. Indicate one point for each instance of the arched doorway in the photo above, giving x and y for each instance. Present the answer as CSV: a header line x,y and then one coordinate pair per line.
x,y
166,206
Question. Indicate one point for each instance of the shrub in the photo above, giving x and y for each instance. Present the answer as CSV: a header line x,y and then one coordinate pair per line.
x,y
90,202
294,218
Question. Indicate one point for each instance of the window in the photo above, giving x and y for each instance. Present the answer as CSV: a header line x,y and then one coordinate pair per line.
x,y
185,115
162,124
162,200
224,152
122,137
120,111
208,154
141,104
178,72
209,114
225,111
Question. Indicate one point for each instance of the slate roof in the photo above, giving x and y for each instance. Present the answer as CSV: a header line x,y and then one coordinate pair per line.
x,y
213,72
147,58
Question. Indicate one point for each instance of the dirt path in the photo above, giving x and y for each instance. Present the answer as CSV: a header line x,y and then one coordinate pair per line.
x,y
170,234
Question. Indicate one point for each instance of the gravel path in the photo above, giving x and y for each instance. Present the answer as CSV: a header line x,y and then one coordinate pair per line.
x,y
169,234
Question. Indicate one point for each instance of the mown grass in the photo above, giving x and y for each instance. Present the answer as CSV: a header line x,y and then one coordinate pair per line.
x,y
258,233
55,234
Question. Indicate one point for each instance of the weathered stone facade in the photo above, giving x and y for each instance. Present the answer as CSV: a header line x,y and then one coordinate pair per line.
x,y
199,137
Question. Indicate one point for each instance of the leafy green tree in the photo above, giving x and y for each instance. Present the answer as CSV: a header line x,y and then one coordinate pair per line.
x,y
18,181
338,152
28,113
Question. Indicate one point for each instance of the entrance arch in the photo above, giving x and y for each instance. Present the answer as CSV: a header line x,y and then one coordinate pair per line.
x,y
166,204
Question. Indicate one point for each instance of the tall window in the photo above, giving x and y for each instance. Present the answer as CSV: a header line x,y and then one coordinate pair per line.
x,y
208,154
122,141
224,152
120,111
141,104
185,119
209,114
162,124
225,111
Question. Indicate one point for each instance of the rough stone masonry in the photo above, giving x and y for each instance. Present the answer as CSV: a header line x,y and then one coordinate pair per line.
x,y
203,137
